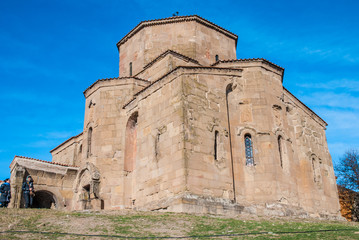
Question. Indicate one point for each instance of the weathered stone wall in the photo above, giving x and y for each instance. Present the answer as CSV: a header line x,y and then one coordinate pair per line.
x,y
316,180
159,173
190,38
70,152
104,116
210,43
53,180
205,117
257,106
150,42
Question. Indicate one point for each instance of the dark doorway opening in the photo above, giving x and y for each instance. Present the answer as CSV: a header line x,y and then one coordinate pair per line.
x,y
86,201
44,199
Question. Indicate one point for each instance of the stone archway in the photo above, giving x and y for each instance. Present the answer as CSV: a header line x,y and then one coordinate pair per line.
x,y
44,199
87,189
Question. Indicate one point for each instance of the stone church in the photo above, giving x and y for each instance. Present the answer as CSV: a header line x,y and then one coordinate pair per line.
x,y
187,127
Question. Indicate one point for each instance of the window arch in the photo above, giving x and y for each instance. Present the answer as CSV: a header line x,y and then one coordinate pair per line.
x,y
89,142
249,150
131,141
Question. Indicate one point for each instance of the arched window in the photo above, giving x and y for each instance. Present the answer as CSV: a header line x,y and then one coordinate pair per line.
x,y
217,58
216,143
131,140
249,150
89,142
130,69
280,148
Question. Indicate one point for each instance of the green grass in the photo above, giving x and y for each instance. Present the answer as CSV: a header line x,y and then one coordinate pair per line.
x,y
153,224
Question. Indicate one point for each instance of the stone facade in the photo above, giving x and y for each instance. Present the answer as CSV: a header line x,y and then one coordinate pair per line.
x,y
186,127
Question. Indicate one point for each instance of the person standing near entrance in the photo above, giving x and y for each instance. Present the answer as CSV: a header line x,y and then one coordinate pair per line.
x,y
28,191
5,191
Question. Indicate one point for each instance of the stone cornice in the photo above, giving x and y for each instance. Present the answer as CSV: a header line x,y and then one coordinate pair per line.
x,y
252,60
199,69
110,79
176,19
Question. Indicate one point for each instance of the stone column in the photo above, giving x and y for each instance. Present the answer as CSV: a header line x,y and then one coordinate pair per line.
x,y
16,179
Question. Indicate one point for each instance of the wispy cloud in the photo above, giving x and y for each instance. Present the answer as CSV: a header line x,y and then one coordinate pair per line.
x,y
42,144
331,99
58,135
339,84
318,52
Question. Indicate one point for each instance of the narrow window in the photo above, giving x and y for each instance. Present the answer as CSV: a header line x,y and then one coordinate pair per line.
x,y
131,140
249,150
157,150
314,168
217,58
216,142
89,140
130,69
317,177
280,148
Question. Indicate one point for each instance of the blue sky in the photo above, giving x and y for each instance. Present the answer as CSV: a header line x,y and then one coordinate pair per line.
x,y
51,51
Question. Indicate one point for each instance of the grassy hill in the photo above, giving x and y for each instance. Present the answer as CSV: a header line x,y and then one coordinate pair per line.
x,y
53,224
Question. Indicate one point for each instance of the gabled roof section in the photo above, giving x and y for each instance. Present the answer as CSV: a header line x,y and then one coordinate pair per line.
x,y
176,19
68,140
306,107
164,54
43,161
109,79
173,53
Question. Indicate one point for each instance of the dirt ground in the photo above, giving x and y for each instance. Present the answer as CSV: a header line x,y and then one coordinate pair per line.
x,y
55,224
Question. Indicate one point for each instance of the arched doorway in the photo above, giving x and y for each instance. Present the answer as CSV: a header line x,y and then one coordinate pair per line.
x,y
44,199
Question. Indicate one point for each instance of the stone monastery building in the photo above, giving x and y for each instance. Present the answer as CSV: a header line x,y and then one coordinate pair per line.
x,y
187,127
